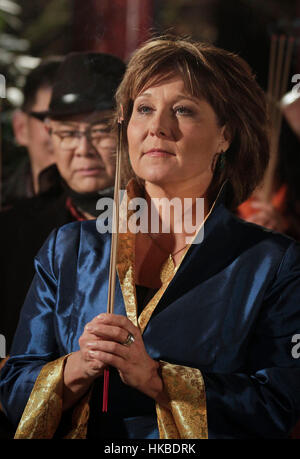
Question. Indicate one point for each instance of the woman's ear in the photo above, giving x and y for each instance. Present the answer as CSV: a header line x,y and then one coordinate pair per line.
x,y
225,139
20,127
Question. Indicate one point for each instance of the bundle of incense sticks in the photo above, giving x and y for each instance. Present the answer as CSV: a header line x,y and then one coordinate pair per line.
x,y
113,249
279,68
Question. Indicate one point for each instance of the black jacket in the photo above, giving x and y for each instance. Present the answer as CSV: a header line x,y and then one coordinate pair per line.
x,y
23,230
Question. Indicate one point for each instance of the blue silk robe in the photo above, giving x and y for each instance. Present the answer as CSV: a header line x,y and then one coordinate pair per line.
x,y
230,310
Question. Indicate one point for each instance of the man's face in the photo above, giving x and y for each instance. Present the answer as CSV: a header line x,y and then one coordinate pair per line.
x,y
32,134
87,163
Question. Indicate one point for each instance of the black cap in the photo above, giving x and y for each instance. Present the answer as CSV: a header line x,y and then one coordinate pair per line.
x,y
85,82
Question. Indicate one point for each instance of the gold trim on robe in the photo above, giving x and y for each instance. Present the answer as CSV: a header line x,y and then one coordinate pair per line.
x,y
186,413
43,412
185,416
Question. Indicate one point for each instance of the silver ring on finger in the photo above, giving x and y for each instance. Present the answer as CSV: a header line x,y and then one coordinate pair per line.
x,y
129,340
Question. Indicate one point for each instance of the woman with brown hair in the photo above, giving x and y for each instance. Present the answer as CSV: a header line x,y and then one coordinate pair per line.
x,y
202,340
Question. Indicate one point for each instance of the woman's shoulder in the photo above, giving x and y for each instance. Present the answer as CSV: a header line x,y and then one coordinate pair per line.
x,y
66,243
257,237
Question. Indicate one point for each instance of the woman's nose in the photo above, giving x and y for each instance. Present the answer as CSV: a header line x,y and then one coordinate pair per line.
x,y
160,126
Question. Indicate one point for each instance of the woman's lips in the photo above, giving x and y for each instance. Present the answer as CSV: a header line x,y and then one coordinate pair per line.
x,y
156,152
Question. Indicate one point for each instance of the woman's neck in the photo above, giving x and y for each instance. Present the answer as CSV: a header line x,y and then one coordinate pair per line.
x,y
184,207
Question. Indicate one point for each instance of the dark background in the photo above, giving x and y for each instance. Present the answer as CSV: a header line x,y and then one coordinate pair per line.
x,y
33,29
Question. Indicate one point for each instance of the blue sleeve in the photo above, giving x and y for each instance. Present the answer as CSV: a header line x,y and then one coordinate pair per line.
x,y
34,343
262,399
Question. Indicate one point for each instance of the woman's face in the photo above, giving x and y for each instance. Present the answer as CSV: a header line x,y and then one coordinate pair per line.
x,y
173,137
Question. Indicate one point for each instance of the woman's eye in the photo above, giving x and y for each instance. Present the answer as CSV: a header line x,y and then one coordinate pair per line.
x,y
182,110
144,109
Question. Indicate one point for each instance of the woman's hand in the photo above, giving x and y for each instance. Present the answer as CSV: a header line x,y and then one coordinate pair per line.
x,y
102,345
135,366
81,367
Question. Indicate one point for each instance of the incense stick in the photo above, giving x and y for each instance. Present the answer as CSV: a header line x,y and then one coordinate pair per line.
x,y
277,86
115,227
278,115
280,58
272,64
113,249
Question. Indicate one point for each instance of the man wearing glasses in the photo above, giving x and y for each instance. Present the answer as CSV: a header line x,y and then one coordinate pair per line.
x,y
85,153
84,149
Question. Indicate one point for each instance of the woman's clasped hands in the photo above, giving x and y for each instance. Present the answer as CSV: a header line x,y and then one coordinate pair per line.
x,y
103,344
111,340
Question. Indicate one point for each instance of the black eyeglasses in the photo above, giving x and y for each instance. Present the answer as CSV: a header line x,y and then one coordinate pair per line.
x,y
70,138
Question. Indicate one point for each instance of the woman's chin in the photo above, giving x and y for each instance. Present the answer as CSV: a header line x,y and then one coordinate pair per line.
x,y
157,177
